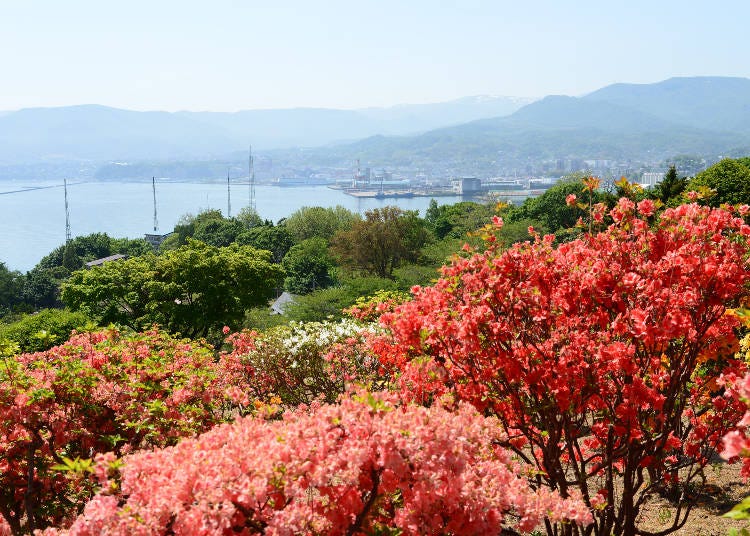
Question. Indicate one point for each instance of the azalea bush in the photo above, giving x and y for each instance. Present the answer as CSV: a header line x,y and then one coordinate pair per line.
x,y
736,444
599,357
300,362
367,465
99,392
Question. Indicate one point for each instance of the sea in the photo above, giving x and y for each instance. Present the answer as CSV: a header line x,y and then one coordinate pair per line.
x,y
32,214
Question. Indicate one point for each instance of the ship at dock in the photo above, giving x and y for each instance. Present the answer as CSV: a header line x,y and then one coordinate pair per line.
x,y
301,181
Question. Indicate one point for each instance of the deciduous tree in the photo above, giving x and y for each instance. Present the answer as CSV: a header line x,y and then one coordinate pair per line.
x,y
386,237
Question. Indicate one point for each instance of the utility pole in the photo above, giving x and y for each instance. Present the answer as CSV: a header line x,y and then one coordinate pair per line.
x,y
251,174
229,197
153,188
67,212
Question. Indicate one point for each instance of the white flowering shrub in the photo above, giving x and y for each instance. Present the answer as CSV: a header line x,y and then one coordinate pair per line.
x,y
301,362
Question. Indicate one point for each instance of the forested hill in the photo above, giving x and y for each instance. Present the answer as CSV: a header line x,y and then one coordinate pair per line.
x,y
624,121
708,116
715,103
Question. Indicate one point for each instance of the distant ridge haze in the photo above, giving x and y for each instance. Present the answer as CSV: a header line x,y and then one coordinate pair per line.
x,y
96,132
697,115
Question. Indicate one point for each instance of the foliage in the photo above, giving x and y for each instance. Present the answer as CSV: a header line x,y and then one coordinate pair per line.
x,y
188,224
370,308
729,179
365,466
598,356
329,303
194,290
218,232
385,239
11,286
97,393
249,217
670,188
319,222
458,219
261,319
308,266
40,286
302,362
42,330
90,247
274,238
550,208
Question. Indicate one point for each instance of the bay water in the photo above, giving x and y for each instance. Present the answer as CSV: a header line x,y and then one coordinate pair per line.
x,y
32,214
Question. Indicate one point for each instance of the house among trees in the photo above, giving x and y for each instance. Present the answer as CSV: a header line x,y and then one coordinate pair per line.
x,y
99,262
280,304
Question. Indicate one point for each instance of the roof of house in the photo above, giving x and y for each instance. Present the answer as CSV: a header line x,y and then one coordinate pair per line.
x,y
278,306
99,262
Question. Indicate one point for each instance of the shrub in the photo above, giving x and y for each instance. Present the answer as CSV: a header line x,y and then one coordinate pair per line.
x,y
364,466
599,356
96,393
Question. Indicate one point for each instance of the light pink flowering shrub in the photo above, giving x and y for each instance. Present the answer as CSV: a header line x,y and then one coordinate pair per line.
x,y
363,466
97,392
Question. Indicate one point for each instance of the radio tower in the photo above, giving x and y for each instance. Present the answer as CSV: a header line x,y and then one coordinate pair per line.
x,y
229,197
67,212
153,188
251,170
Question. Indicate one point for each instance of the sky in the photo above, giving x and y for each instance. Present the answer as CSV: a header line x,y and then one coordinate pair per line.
x,y
223,55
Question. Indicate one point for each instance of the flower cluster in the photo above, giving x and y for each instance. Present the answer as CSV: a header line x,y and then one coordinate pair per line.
x,y
599,356
363,466
98,392
301,362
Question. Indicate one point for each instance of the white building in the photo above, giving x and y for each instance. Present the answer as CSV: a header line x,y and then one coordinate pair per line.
x,y
651,179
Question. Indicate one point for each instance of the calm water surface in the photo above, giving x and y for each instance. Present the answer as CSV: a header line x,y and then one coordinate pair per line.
x,y
33,220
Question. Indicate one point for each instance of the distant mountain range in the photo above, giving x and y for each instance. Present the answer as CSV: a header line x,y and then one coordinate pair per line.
x,y
645,122
649,122
93,132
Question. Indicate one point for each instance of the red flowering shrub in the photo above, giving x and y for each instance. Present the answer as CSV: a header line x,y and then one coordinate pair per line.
x,y
599,356
363,466
736,445
96,393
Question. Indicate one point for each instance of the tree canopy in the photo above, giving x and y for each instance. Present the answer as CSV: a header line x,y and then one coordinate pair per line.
x,y
194,289
381,242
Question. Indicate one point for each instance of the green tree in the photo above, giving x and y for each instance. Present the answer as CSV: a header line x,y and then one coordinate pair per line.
x,y
187,225
116,292
274,238
309,222
70,260
730,179
85,248
385,239
219,233
40,286
195,289
670,188
249,218
550,208
308,266
11,287
458,219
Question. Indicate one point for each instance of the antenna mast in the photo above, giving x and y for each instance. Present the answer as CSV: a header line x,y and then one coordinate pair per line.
x,y
67,212
153,188
251,172
229,197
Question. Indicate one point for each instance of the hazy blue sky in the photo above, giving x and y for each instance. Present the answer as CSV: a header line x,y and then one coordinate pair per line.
x,y
229,55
